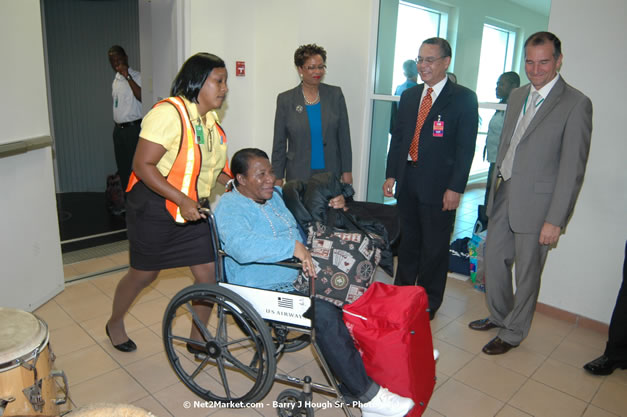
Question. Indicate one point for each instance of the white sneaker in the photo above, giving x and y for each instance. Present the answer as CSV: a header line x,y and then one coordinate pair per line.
x,y
436,354
387,404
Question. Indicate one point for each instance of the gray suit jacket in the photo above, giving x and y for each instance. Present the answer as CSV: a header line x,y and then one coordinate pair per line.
x,y
550,160
291,149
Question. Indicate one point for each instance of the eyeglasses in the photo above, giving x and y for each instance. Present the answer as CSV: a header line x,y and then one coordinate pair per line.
x,y
428,60
316,67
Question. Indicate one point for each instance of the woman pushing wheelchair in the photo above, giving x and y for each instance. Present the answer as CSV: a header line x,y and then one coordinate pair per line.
x,y
256,229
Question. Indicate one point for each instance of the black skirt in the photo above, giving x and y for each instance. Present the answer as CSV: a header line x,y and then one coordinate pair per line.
x,y
156,241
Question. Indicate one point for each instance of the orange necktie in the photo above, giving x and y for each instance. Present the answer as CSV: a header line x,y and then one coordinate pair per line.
x,y
425,106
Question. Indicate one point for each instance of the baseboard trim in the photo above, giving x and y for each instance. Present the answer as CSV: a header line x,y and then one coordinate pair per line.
x,y
576,319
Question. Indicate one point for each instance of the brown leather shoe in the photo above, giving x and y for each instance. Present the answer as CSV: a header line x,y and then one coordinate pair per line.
x,y
483,324
497,346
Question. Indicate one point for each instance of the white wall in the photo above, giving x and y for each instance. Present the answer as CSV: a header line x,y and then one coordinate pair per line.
x,y
25,113
584,273
158,49
30,251
265,35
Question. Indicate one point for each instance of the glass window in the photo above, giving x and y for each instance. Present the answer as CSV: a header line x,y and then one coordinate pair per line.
x,y
497,53
402,28
486,37
414,22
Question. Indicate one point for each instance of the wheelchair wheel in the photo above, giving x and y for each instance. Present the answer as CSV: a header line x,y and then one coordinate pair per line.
x,y
235,361
292,403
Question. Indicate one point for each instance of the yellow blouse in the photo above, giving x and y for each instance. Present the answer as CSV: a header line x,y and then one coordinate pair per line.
x,y
162,125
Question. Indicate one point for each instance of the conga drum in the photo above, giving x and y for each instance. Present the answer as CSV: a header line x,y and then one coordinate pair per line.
x,y
109,410
27,385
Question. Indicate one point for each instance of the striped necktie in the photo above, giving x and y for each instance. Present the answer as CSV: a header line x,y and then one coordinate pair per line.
x,y
425,106
508,161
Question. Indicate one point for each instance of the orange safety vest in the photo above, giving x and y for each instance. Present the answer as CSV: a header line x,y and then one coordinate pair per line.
x,y
186,167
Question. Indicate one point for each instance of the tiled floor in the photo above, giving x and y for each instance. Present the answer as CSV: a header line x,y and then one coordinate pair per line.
x,y
467,212
542,377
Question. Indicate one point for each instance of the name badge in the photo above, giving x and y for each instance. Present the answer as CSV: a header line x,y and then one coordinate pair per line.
x,y
200,135
438,129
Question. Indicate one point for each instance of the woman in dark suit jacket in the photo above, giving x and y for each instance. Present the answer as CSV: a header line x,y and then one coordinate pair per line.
x,y
311,132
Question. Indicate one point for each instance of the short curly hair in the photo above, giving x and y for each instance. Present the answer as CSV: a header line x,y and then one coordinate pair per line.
x,y
304,52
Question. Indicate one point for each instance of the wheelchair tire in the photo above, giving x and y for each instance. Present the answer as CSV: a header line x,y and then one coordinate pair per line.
x,y
292,403
237,347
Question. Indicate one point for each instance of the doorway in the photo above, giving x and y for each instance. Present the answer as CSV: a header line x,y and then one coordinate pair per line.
x,y
77,36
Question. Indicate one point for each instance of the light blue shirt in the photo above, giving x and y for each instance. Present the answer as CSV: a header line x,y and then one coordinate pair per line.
x,y
315,129
260,233
402,87
493,137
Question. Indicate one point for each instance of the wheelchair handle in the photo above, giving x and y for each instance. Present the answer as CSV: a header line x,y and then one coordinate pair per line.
x,y
292,262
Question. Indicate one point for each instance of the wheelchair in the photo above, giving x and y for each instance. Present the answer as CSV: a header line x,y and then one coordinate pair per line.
x,y
249,329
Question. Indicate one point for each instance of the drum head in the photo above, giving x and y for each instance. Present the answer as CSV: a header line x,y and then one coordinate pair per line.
x,y
20,334
109,410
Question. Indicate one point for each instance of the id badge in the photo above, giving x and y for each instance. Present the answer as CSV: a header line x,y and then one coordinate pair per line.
x,y
200,135
438,129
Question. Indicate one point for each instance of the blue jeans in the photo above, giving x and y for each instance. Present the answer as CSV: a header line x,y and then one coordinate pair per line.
x,y
339,351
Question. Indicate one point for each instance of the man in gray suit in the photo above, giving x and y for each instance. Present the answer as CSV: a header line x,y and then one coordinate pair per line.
x,y
540,168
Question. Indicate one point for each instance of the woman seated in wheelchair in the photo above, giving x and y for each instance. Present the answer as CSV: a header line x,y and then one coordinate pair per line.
x,y
256,228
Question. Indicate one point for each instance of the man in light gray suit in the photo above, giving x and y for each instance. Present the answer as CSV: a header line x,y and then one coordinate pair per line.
x,y
540,168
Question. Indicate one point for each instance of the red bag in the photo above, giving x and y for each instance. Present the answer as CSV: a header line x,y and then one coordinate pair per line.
x,y
390,327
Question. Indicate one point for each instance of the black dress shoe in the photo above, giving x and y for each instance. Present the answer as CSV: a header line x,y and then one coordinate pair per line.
x,y
481,325
194,350
127,346
604,365
497,346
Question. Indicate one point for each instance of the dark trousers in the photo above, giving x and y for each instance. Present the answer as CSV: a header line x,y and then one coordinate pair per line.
x,y
423,251
488,185
616,347
339,351
124,144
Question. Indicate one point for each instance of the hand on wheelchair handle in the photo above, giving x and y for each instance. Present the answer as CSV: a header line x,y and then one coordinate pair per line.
x,y
204,212
189,209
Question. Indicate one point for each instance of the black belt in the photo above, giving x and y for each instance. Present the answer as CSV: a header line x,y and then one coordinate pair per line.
x,y
412,164
129,124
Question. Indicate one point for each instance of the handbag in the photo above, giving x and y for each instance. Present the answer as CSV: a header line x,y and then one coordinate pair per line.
x,y
390,327
345,261
476,249
458,258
